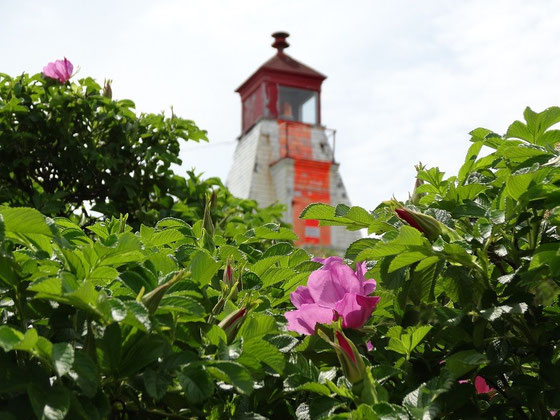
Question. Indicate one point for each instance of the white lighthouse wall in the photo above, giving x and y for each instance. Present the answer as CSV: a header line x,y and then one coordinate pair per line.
x,y
259,173
283,178
241,172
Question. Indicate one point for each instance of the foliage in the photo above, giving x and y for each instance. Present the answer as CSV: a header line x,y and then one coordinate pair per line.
x,y
184,320
64,145
481,298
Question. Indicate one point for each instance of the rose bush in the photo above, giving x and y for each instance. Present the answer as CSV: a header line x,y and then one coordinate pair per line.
x,y
189,317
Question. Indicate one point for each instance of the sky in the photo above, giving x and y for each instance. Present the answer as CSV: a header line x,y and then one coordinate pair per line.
x,y
407,80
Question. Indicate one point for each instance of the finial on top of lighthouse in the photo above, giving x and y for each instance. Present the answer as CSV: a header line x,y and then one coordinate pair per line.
x,y
280,42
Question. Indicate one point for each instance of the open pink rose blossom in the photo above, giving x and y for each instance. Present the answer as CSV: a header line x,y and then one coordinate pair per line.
x,y
332,291
60,69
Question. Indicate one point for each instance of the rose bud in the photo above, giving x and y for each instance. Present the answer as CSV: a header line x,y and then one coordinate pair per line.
x,y
231,323
424,223
351,362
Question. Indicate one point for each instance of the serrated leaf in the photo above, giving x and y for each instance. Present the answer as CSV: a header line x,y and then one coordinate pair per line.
x,y
464,361
51,403
404,259
265,353
24,220
62,358
234,374
203,268
156,383
282,248
196,383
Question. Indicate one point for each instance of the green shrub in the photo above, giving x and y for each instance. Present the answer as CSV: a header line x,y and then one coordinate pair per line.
x,y
184,320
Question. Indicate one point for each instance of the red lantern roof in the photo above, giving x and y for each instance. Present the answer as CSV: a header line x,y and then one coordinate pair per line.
x,y
280,70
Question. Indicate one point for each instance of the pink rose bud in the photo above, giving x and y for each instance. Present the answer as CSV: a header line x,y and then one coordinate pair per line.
x,y
351,362
231,323
231,285
422,222
228,275
60,69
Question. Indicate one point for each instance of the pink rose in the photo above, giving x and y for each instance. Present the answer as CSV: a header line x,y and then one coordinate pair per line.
x,y
481,386
332,291
60,69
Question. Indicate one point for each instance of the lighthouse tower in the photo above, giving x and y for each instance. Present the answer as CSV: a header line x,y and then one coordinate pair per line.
x,y
284,153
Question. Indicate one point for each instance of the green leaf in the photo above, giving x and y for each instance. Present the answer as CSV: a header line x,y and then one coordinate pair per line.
x,y
320,407
314,387
358,246
492,314
470,159
171,222
51,403
406,258
109,348
196,383
264,352
422,401
233,373
156,383
318,211
462,362
84,373
282,248
166,237
203,267
11,339
188,308
256,326
418,334
137,315
2,228
62,357
24,220
516,185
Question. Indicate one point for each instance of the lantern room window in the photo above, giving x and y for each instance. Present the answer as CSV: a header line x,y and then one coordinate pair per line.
x,y
297,104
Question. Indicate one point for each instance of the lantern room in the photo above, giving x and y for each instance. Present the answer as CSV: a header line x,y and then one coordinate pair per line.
x,y
281,89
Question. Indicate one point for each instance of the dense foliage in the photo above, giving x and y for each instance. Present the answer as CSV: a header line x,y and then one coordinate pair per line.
x,y
185,319
68,148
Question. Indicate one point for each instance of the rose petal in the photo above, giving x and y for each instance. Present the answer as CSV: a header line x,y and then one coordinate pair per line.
x,y
368,287
328,286
50,71
481,386
304,319
301,296
361,271
355,310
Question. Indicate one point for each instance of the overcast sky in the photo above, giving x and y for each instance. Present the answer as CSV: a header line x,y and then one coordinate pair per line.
x,y
407,80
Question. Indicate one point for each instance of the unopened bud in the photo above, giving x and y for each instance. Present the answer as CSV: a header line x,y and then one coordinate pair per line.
x,y
424,223
228,279
152,299
416,196
228,275
231,323
107,91
351,362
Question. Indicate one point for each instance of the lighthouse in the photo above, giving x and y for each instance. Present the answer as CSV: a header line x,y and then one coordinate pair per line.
x,y
285,153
